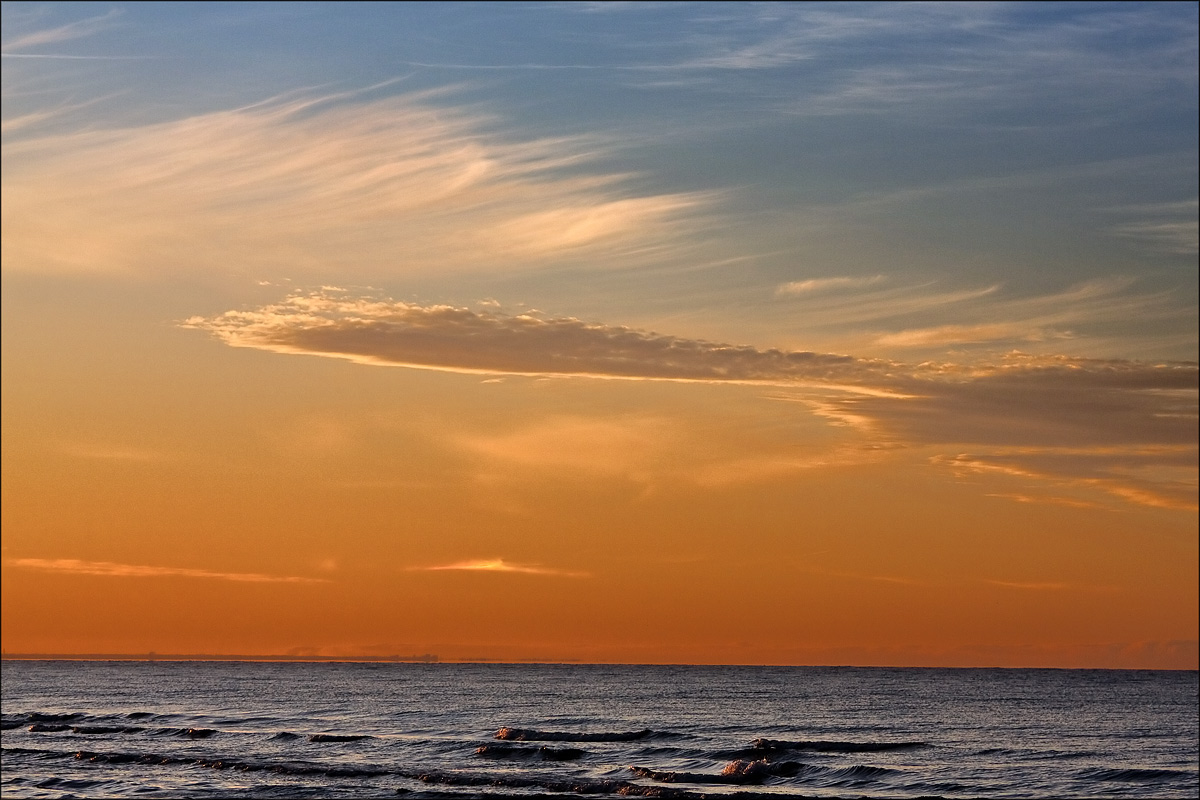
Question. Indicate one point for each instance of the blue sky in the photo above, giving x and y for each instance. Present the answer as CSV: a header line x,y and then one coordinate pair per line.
x,y
1034,148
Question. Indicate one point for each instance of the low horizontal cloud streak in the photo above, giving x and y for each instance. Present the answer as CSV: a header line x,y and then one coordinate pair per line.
x,y
114,570
499,565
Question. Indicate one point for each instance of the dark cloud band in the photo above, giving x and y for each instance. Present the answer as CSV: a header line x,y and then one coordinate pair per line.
x,y
1114,416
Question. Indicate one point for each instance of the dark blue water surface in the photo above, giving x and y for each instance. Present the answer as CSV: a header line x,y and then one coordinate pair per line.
x,y
243,729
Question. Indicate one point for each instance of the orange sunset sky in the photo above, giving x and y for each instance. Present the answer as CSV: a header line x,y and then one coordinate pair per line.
x,y
791,334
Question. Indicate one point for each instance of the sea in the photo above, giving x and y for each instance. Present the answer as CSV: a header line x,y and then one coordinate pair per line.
x,y
199,729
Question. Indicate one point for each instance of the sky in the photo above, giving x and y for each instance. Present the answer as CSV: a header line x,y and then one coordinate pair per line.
x,y
803,333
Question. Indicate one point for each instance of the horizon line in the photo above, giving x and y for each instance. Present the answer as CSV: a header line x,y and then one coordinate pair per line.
x,y
431,658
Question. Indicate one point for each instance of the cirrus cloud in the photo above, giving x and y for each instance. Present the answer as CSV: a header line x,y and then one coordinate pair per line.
x,y
815,285
305,185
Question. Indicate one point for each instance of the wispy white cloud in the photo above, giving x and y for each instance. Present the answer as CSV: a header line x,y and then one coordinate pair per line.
x,y
1045,499
1172,235
852,308
34,118
881,320
1107,472
67,57
968,334
501,566
814,285
61,33
321,185
1169,226
1000,63
114,570
520,66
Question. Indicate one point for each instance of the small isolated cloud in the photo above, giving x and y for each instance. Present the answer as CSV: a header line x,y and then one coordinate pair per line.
x,y
815,285
114,570
500,565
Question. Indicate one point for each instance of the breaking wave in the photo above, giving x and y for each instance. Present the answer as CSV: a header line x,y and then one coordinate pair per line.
x,y
531,735
516,751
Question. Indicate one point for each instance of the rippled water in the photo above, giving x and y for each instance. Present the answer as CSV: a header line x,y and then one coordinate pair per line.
x,y
197,729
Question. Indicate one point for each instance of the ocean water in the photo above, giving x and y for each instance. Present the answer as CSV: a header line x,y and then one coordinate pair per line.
x,y
245,729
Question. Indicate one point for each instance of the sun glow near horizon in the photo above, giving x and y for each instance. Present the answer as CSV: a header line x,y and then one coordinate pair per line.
x,y
808,339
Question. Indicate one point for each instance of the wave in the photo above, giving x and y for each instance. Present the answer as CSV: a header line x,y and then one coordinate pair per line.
x,y
736,772
13,721
186,733
740,772
743,772
822,746
72,785
85,730
544,753
338,737
289,768
1035,755
309,769
858,773
74,718
103,730
35,752
565,785
1130,774
39,716
531,735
